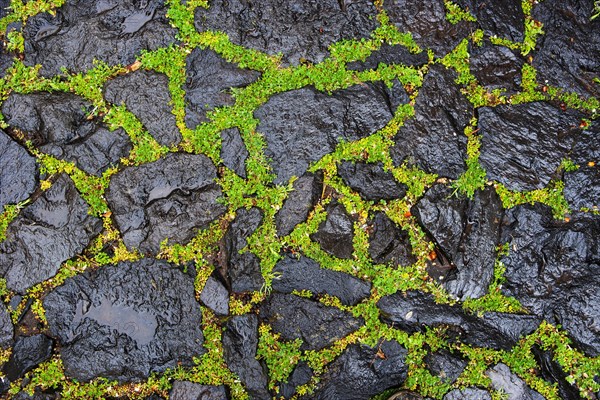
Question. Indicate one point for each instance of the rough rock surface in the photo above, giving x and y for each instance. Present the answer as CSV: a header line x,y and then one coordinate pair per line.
x,y
301,126
523,145
184,390
551,371
388,243
300,376
240,341
445,365
468,393
371,181
171,198
552,269
233,151
466,232
306,192
390,55
434,139
302,29
306,274
125,321
48,232
27,353
335,234
503,19
496,67
510,384
215,296
59,125
112,31
414,310
6,328
146,94
18,172
359,373
243,269
208,84
582,187
316,324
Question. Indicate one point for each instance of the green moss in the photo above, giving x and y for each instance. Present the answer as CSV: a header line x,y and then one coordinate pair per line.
x,y
455,14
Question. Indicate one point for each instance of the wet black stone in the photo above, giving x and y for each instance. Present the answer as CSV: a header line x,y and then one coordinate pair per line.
x,y
552,269
468,393
371,181
503,19
552,372
112,31
146,94
523,145
58,124
434,139
582,187
171,198
496,67
300,376
388,243
37,395
510,384
209,82
301,126
233,151
240,342
306,274
243,269
301,200
215,296
389,55
335,234
18,172
412,311
126,321
359,373
427,22
184,390
6,328
567,52
48,232
445,365
301,29
316,324
467,233
27,353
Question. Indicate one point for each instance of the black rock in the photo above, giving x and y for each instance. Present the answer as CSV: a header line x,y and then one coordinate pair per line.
x,y
243,269
466,232
434,139
301,29
523,145
388,243
412,311
58,124
552,269
18,172
552,372
389,55
468,394
209,82
567,53
240,342
582,187
48,232
427,22
300,376
233,151
316,324
126,321
146,94
6,329
300,201
335,234
171,198
184,390
496,67
510,384
112,31
27,353
37,395
306,274
301,126
215,296
445,365
503,19
360,373
371,181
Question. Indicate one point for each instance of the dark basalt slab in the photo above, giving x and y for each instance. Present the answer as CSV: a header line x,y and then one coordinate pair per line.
x,y
209,82
317,325
413,311
388,243
233,151
300,376
552,269
18,172
48,232
390,55
184,390
510,384
496,67
551,371
523,145
306,274
301,126
125,321
582,187
468,393
445,365
27,353
215,296
146,94
6,328
307,190
371,181
336,233
301,29
59,125
112,31
171,198
503,19
434,139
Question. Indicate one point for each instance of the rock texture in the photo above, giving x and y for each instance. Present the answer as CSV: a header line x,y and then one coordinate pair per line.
x,y
371,181
335,234
582,187
183,390
27,353
18,172
306,192
510,384
388,243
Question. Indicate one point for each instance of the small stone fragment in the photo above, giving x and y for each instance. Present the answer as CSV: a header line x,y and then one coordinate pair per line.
x,y
6,329
388,243
307,191
445,365
184,390
468,393
27,353
371,181
215,296
551,371
300,376
335,234
496,67
510,384
582,186
18,172
233,151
